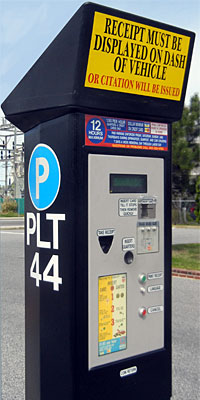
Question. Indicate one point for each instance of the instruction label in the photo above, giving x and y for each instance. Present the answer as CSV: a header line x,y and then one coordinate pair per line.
x,y
155,288
125,133
112,314
130,57
155,275
128,244
155,309
128,371
128,207
105,232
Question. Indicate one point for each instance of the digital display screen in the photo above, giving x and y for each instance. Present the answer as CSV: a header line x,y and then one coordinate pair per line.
x,y
128,183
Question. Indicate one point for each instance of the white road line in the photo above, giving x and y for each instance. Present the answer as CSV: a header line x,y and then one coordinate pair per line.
x,y
11,219
12,233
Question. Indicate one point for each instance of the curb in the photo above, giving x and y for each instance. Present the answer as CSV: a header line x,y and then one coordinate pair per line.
x,y
12,218
185,226
7,228
184,273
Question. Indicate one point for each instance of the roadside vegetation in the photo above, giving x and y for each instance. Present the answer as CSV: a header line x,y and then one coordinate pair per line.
x,y
9,214
189,221
9,208
186,256
186,151
185,165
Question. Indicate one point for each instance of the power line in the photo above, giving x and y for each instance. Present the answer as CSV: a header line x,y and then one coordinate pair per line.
x,y
11,157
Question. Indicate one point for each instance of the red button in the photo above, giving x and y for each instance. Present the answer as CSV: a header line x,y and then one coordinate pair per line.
x,y
142,312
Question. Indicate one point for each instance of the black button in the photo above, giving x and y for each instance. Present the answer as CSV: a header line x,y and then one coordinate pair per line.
x,y
128,258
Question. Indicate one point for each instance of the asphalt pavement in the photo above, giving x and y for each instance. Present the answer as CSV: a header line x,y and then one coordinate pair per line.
x,y
185,235
186,326
185,339
179,235
11,222
12,304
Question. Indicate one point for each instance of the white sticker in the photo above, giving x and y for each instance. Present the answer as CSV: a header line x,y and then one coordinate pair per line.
x,y
156,288
105,232
128,371
155,275
158,128
128,207
148,200
155,309
128,244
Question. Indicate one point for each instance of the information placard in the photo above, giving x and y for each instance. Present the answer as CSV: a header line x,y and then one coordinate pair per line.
x,y
112,314
125,133
131,57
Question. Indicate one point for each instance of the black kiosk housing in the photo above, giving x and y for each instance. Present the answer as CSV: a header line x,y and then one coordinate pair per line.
x,y
72,116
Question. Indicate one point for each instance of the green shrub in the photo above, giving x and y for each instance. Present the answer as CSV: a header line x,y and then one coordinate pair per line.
x,y
9,205
197,198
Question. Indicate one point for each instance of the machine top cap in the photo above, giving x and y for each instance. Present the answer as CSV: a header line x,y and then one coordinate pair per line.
x,y
108,62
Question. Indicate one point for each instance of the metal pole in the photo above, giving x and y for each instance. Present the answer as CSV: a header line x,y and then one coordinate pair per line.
x,y
15,178
6,166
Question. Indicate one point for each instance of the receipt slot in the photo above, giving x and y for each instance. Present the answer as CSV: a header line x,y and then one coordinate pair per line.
x,y
96,109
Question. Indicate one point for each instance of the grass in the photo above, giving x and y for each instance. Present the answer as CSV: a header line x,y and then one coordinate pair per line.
x,y
188,225
186,256
9,214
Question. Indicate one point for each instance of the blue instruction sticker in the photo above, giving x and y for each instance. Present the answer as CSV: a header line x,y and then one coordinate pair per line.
x,y
125,133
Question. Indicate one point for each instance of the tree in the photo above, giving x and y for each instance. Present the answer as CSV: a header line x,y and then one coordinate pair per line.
x,y
197,198
185,149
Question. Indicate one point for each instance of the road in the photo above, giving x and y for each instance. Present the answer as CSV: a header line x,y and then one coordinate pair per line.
x,y
186,339
12,294
186,326
7,222
185,235
179,235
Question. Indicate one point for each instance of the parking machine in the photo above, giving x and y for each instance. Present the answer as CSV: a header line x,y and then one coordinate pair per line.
x,y
97,110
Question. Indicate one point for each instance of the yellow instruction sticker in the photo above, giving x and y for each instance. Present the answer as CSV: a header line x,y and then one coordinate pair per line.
x,y
131,57
112,314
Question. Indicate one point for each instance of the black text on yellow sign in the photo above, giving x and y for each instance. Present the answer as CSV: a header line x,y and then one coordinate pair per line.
x,y
130,57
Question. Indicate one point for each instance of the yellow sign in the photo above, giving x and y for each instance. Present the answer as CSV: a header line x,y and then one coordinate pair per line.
x,y
112,314
134,58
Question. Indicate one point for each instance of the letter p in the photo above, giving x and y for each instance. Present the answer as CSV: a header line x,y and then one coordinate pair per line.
x,y
41,178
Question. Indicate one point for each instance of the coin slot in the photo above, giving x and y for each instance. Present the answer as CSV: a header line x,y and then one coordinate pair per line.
x,y
128,258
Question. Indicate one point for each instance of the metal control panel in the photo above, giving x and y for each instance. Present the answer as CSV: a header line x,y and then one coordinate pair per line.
x,y
148,237
126,257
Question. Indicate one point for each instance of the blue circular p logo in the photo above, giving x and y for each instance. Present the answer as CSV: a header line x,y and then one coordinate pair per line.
x,y
43,176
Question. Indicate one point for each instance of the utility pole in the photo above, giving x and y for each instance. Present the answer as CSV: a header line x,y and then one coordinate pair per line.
x,y
6,166
10,157
14,151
